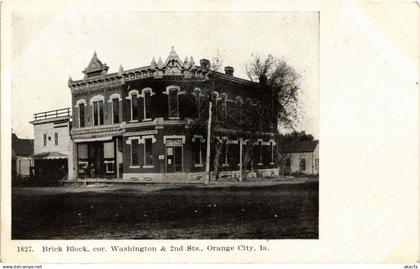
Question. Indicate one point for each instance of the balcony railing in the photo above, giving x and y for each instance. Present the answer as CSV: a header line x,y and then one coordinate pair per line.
x,y
63,112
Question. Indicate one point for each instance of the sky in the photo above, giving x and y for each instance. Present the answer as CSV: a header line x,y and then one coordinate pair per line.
x,y
48,48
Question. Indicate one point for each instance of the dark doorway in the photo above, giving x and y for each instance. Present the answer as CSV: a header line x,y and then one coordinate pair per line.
x,y
173,155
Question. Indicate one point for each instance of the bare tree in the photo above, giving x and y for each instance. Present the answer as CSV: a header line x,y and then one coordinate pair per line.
x,y
274,104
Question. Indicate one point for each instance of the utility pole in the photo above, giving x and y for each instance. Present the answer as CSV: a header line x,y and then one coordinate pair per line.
x,y
210,95
208,144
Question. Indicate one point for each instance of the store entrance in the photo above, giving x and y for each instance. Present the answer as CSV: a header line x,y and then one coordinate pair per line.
x,y
96,159
174,155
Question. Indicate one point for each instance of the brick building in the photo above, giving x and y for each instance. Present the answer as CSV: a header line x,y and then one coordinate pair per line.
x,y
136,124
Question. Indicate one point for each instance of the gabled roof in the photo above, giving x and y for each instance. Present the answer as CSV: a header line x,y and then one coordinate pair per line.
x,y
22,147
173,56
95,65
300,146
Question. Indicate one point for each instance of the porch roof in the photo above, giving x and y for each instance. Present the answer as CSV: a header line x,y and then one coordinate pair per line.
x,y
49,156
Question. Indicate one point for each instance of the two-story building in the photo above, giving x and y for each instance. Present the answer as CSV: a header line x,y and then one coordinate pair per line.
x,y
136,123
52,145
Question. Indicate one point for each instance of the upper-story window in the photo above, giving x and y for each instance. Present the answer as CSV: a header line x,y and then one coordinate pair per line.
x,y
98,113
97,103
239,103
81,115
56,138
134,107
115,110
173,103
81,106
114,100
197,95
147,107
133,96
147,94
223,106
45,140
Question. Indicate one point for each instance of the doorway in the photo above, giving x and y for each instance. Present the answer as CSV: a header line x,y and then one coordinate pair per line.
x,y
174,156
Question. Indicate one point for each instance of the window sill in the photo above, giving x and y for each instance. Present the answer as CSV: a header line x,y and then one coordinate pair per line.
x,y
134,166
260,164
147,119
225,165
131,121
198,165
173,118
272,163
148,166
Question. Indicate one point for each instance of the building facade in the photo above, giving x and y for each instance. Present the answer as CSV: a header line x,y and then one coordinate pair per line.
x,y
137,124
299,158
22,150
53,145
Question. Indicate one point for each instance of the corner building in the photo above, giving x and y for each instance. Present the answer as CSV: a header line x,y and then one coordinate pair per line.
x,y
135,124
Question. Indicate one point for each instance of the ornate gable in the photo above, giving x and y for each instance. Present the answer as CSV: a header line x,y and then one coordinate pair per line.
x,y
95,67
173,64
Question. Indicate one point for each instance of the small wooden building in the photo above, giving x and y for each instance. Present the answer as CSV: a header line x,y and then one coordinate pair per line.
x,y
301,157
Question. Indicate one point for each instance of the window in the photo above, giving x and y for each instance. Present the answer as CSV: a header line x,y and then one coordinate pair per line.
x,y
173,103
148,152
316,165
82,150
81,115
115,110
302,165
45,140
260,153
109,156
287,166
223,107
271,152
56,138
147,105
135,152
82,159
134,107
225,150
109,167
198,153
98,113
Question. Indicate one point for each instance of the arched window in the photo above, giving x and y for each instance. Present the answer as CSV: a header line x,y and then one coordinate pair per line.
x,y
97,103
197,95
223,106
81,106
147,94
134,104
173,102
114,100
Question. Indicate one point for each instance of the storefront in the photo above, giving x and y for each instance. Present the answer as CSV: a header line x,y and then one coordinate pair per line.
x,y
99,158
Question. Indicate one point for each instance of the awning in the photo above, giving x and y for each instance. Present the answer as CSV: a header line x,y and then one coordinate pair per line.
x,y
49,156
104,138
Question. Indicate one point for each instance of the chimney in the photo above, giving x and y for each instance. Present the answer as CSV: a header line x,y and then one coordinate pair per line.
x,y
205,63
229,70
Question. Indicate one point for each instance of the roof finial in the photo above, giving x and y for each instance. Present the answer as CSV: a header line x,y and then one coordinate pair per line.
x,y
160,64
